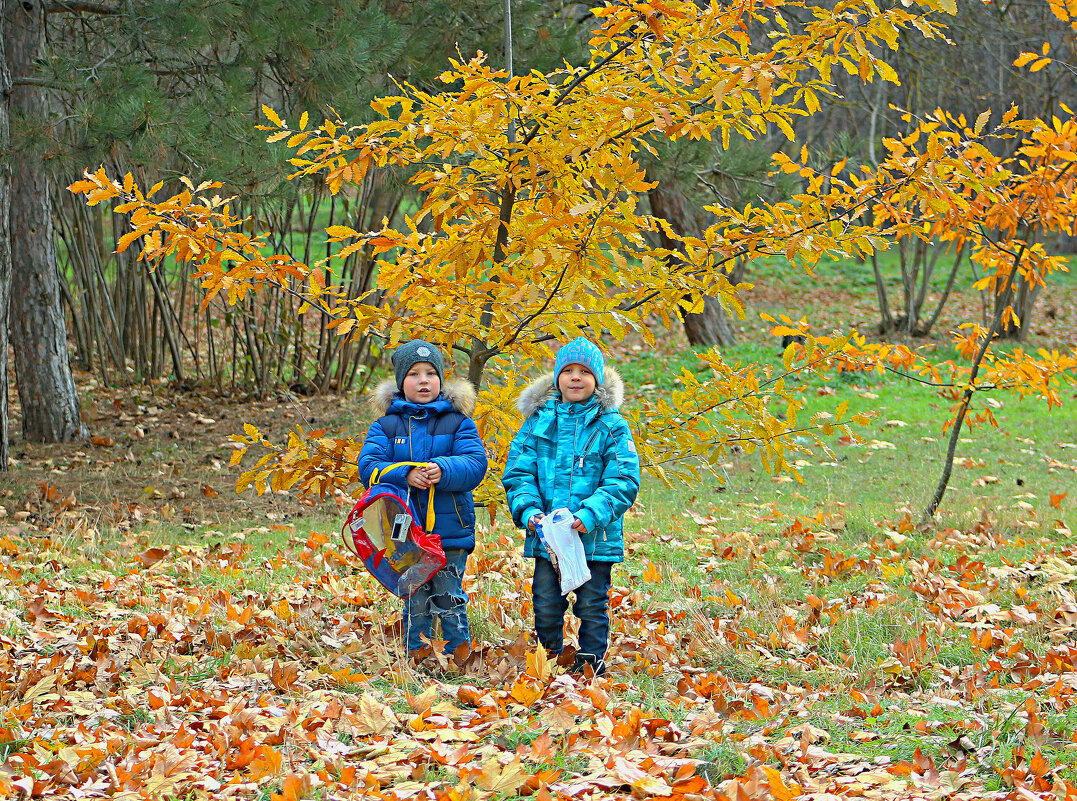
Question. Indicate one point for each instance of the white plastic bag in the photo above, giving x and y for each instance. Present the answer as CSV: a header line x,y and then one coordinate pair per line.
x,y
565,549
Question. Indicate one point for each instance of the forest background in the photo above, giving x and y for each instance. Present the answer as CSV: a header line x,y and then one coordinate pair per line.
x,y
164,90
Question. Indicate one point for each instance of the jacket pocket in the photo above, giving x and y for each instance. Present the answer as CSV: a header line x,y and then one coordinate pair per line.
x,y
466,520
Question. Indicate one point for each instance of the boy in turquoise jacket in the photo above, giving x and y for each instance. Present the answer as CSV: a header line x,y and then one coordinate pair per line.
x,y
574,450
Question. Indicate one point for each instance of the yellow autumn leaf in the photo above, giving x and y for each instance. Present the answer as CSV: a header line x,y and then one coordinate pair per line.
x,y
271,115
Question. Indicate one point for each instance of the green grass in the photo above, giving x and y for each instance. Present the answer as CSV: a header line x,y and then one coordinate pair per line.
x,y
721,761
999,492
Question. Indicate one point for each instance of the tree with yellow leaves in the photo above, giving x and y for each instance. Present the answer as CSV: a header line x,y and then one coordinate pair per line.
x,y
531,229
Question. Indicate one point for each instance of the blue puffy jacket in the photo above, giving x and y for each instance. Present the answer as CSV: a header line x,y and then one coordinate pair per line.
x,y
574,455
440,432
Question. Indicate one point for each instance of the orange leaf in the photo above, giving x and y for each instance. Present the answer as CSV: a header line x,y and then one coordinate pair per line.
x,y
652,575
778,788
293,788
526,691
655,24
1057,498
268,761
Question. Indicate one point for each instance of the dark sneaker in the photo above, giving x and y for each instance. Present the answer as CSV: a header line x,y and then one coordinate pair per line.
x,y
588,665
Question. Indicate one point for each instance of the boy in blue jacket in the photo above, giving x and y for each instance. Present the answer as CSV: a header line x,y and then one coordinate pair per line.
x,y
419,421
575,450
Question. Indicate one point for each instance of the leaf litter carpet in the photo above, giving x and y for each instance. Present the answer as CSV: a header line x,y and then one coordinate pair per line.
x,y
131,670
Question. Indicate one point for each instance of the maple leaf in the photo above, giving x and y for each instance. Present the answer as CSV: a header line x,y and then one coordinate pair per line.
x,y
502,778
266,761
374,717
538,666
527,691
652,575
422,702
635,777
293,788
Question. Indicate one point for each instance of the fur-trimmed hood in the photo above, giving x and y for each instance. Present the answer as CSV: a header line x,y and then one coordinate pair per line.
x,y
459,393
610,395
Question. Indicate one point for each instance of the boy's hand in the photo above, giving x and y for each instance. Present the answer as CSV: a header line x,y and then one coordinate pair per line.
x,y
433,473
534,521
417,478
578,525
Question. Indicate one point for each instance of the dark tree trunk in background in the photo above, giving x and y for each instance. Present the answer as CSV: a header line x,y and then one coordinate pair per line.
x,y
5,247
712,326
47,394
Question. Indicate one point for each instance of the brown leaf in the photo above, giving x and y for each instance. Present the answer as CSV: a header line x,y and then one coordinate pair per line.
x,y
538,666
422,702
374,717
284,675
151,556
809,734
638,779
498,778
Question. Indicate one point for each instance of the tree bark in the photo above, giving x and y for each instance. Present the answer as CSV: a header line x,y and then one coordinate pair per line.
x,y
47,393
5,246
1005,297
712,326
886,318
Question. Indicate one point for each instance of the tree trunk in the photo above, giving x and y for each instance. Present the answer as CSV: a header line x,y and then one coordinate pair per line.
x,y
946,292
886,318
47,393
1024,299
712,326
5,246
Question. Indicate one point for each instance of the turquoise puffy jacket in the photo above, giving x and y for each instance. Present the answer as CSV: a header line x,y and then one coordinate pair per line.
x,y
574,455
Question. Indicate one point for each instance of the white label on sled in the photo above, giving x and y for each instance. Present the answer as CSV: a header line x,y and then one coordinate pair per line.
x,y
357,524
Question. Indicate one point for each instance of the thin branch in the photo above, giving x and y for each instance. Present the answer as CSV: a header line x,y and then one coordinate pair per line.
x,y
28,81
58,6
576,82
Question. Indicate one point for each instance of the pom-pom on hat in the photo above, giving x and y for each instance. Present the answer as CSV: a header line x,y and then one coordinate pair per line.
x,y
580,351
411,353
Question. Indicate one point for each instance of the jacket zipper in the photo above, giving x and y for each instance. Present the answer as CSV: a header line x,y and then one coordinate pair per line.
x,y
586,448
411,458
579,463
572,467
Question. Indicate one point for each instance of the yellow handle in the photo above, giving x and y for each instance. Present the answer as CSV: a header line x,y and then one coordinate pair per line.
x,y
429,527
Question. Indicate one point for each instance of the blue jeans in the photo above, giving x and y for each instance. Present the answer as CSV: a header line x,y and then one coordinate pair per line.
x,y
442,597
591,607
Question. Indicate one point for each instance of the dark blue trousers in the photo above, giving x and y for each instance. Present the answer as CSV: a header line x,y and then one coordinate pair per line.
x,y
591,607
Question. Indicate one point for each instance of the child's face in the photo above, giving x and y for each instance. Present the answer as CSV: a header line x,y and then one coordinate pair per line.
x,y
576,383
421,384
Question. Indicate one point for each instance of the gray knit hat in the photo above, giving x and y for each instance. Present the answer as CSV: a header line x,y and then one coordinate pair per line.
x,y
410,353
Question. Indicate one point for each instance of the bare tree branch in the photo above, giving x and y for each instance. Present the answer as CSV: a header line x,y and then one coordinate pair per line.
x,y
76,6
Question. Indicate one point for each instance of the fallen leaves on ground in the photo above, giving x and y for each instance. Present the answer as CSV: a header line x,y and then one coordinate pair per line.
x,y
139,669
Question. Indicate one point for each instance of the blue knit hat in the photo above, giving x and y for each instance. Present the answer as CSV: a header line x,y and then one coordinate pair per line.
x,y
411,353
580,351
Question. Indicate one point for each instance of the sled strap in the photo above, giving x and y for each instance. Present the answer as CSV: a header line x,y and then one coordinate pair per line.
x,y
429,527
